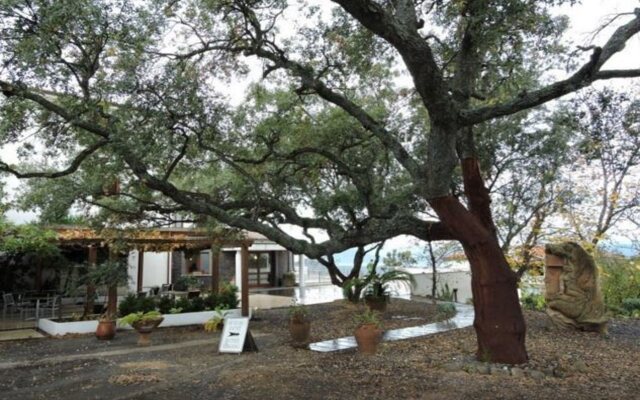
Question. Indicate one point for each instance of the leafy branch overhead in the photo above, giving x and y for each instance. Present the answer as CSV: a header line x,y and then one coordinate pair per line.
x,y
370,119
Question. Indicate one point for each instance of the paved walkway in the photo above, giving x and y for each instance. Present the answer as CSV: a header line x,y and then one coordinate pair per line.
x,y
19,334
463,318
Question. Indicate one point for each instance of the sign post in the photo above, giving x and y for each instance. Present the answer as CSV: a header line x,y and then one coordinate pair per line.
x,y
236,337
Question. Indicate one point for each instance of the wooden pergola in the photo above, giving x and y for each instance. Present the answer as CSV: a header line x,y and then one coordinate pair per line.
x,y
160,240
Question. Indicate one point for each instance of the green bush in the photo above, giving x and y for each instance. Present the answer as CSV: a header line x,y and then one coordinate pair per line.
x,y
446,310
228,296
165,304
184,304
620,281
197,304
211,301
133,304
146,304
128,305
533,301
631,306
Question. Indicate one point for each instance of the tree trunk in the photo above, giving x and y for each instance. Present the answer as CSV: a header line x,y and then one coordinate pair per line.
x,y
499,323
112,301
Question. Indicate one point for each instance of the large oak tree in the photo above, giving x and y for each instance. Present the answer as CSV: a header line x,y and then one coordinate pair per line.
x,y
332,139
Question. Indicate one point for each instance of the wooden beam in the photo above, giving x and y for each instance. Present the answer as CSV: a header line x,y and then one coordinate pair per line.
x,y
112,292
140,269
214,264
89,301
244,279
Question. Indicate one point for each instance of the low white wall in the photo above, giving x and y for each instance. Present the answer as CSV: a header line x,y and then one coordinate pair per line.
x,y
54,328
460,280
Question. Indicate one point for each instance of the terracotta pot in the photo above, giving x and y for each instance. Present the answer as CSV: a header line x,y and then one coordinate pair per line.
x,y
368,337
106,329
299,331
288,280
377,303
144,328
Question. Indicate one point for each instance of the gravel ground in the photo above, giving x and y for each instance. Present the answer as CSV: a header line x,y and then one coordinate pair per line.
x,y
563,365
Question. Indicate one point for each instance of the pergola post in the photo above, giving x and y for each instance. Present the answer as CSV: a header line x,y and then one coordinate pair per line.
x,y
140,269
89,301
112,291
244,278
214,263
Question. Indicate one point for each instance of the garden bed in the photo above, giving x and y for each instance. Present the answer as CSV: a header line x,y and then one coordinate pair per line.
x,y
61,328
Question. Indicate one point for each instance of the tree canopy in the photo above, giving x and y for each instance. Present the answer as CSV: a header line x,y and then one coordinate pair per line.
x,y
366,123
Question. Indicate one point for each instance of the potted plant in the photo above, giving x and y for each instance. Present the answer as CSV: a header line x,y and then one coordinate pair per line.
x,y
376,286
368,331
143,323
110,274
289,279
299,324
106,327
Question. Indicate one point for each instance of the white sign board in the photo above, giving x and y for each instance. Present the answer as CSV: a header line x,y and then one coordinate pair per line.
x,y
234,335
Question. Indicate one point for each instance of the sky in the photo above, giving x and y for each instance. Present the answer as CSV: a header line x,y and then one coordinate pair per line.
x,y
585,18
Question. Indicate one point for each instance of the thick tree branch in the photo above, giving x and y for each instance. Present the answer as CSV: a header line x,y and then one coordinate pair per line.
x,y
586,75
73,167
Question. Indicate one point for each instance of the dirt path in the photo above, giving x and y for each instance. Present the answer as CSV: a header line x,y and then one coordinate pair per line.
x,y
185,365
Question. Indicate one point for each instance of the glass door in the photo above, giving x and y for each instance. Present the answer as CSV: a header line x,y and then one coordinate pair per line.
x,y
260,269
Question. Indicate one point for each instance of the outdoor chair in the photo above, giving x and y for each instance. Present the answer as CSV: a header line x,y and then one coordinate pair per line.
x,y
9,304
50,307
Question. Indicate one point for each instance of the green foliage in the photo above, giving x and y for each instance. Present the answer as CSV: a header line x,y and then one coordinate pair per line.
x,y
128,305
186,282
533,302
228,296
197,304
445,293
108,273
216,321
165,304
620,280
133,304
27,239
368,317
632,307
132,318
397,258
298,312
446,310
183,304
375,284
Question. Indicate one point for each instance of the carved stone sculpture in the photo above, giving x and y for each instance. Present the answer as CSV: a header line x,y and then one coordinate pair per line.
x,y
572,288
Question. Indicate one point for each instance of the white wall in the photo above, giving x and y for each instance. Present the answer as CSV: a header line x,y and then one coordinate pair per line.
x,y
460,280
154,273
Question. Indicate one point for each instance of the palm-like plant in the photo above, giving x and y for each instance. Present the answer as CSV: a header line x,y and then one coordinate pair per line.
x,y
374,284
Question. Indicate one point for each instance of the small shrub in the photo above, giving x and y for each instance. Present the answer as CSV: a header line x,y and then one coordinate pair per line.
x,y
146,304
184,304
128,305
197,304
211,301
132,318
446,310
445,293
631,307
620,281
228,296
368,317
165,304
298,312
533,301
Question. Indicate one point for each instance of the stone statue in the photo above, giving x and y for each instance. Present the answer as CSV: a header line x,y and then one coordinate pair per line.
x,y
572,287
